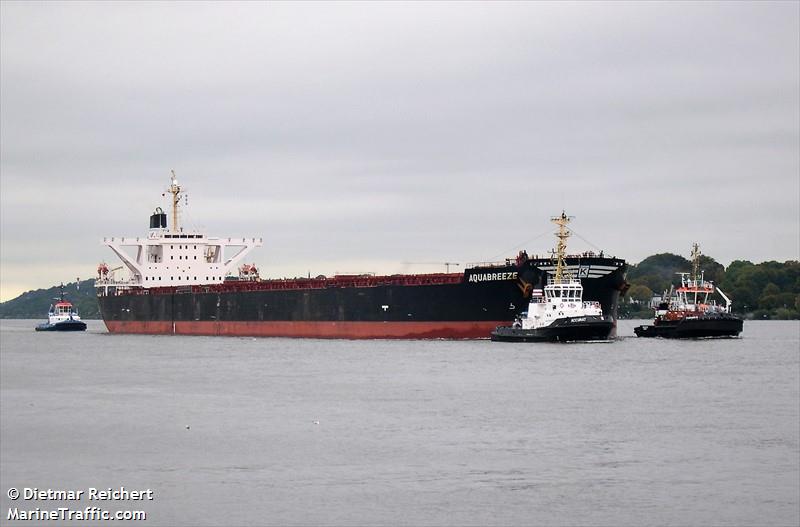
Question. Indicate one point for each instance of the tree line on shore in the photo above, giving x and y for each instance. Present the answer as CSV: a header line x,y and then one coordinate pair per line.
x,y
768,290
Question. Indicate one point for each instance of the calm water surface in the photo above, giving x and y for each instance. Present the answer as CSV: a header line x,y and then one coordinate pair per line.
x,y
242,431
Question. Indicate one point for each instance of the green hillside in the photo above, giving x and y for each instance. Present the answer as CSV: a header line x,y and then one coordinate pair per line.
x,y
34,304
765,290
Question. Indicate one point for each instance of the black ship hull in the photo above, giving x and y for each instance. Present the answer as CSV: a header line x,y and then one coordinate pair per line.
x,y
468,305
568,329
66,325
700,327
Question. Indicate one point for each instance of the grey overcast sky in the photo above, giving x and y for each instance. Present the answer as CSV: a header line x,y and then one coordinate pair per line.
x,y
377,136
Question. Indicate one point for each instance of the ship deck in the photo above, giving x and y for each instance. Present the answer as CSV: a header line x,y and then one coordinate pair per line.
x,y
285,284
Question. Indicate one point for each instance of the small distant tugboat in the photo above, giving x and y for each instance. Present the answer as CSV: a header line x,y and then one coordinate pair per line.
x,y
558,313
62,317
688,312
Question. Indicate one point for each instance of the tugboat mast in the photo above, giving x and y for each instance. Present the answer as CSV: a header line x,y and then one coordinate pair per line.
x,y
175,190
695,261
561,248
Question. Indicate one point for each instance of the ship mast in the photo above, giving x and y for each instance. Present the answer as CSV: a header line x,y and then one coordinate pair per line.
x,y
561,248
175,190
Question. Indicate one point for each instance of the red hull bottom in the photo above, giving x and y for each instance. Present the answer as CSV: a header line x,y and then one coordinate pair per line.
x,y
322,330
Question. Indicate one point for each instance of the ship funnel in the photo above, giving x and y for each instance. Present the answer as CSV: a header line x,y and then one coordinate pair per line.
x,y
158,220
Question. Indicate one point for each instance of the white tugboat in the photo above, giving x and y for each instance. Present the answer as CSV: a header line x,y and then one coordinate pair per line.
x,y
558,313
62,316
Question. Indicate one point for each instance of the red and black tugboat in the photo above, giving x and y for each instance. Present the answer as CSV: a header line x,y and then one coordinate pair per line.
x,y
689,312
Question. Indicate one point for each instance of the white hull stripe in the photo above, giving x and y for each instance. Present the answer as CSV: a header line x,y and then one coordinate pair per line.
x,y
588,271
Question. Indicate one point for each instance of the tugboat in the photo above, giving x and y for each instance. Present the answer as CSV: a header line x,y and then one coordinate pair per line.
x,y
558,313
62,317
688,312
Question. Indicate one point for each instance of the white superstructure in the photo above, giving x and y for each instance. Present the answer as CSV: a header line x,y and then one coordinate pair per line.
x,y
560,300
563,295
62,311
169,256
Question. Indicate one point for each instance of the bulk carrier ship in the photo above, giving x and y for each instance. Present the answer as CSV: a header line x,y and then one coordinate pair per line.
x,y
181,283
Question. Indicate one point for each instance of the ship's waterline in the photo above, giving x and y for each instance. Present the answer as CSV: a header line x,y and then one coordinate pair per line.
x,y
305,329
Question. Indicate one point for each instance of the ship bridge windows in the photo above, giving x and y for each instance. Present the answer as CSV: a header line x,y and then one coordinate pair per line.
x,y
567,294
572,294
